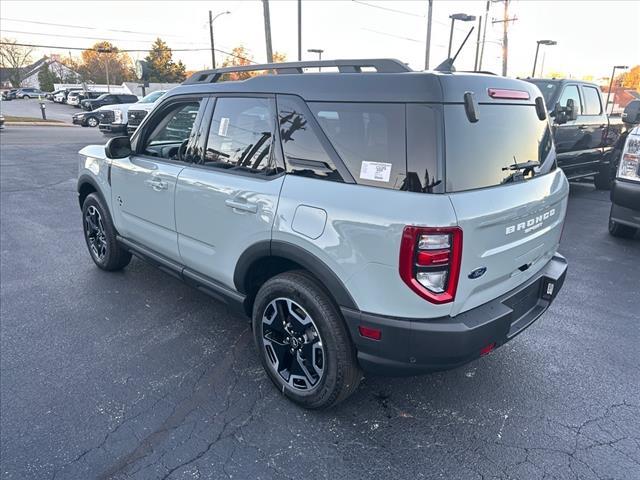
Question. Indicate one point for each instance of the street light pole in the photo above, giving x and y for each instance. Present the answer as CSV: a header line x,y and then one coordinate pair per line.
x,y
428,46
319,52
299,30
613,72
457,16
535,60
213,50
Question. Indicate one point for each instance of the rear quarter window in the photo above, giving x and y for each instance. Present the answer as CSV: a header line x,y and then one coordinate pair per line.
x,y
369,138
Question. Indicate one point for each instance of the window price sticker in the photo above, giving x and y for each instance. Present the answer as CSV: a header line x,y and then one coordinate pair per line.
x,y
376,171
224,126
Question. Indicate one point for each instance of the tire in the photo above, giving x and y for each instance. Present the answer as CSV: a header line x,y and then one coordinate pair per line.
x,y
619,230
26,97
324,370
92,122
604,179
100,236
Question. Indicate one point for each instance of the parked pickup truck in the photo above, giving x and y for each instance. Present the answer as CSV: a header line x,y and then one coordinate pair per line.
x,y
107,99
584,135
114,118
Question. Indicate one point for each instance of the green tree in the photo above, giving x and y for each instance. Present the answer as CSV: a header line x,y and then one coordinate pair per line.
x,y
162,68
47,78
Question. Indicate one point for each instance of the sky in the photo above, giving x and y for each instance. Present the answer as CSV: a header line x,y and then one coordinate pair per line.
x,y
591,36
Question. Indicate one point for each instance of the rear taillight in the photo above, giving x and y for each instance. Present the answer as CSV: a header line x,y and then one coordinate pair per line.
x,y
430,261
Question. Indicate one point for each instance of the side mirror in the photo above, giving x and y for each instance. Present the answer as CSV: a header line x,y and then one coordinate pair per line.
x,y
631,112
572,110
118,147
559,114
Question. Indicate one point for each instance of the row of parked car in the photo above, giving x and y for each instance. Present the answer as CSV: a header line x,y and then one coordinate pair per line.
x,y
23,93
116,113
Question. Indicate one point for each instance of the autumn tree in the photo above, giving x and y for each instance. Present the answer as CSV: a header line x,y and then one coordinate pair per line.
x,y
14,58
95,60
630,79
162,68
239,57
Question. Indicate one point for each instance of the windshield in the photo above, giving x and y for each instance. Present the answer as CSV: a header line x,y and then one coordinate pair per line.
x,y
548,89
507,144
152,97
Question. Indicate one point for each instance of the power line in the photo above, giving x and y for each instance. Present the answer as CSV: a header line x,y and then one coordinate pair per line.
x,y
402,12
127,50
81,37
391,35
90,28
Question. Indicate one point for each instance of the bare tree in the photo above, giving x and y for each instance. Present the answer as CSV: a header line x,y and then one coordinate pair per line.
x,y
14,58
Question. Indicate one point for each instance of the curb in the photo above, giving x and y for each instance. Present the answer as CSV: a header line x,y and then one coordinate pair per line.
x,y
38,124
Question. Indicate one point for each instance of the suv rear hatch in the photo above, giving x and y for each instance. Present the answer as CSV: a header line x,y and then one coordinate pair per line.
x,y
511,215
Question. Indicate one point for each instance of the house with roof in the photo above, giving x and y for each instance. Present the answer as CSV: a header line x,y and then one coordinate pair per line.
x,y
29,74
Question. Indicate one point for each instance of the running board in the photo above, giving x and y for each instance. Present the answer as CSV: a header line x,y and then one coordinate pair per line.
x,y
231,298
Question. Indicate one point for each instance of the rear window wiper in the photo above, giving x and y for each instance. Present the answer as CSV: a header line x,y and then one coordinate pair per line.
x,y
521,171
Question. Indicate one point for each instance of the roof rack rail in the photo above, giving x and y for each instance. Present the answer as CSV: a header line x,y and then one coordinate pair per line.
x,y
380,65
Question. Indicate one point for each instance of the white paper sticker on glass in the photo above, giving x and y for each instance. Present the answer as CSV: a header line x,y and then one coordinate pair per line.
x,y
376,171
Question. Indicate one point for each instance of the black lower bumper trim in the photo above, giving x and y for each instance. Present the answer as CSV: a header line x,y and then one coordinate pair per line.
x,y
413,346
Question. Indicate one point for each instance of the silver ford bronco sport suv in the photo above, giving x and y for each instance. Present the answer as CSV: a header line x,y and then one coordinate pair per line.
x,y
366,217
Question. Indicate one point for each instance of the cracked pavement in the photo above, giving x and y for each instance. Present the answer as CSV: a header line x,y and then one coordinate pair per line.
x,y
133,375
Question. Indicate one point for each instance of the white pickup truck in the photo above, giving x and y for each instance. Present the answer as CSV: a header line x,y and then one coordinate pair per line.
x,y
114,118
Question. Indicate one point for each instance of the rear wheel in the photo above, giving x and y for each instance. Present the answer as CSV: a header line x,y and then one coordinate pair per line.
x,y
26,97
302,341
619,230
100,236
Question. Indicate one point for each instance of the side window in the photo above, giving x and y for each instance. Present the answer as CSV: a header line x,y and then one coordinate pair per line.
x,y
303,152
592,105
571,91
169,136
370,139
241,135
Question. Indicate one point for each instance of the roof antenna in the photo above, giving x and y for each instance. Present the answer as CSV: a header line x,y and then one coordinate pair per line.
x,y
447,65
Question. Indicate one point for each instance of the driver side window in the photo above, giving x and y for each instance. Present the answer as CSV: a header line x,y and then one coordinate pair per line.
x,y
571,92
170,136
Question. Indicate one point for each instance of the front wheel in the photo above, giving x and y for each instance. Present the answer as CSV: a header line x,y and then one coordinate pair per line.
x,y
303,342
92,121
100,236
26,97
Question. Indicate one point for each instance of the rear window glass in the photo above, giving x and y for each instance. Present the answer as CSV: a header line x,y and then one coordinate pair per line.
x,y
481,154
370,139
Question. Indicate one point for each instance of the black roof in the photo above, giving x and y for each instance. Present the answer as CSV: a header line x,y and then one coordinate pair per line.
x,y
393,82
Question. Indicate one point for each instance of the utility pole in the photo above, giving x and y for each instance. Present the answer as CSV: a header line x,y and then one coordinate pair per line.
x,y
475,64
299,30
505,36
267,30
428,46
213,51
484,33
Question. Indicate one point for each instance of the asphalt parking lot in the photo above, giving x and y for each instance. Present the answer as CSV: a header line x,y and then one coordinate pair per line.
x,y
135,375
31,108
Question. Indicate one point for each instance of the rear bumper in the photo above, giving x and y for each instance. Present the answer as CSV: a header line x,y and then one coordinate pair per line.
x,y
114,128
413,346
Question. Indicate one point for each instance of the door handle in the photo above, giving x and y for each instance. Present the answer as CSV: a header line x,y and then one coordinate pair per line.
x,y
245,207
157,184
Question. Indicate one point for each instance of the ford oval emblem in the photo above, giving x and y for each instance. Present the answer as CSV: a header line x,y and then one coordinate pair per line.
x,y
477,273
